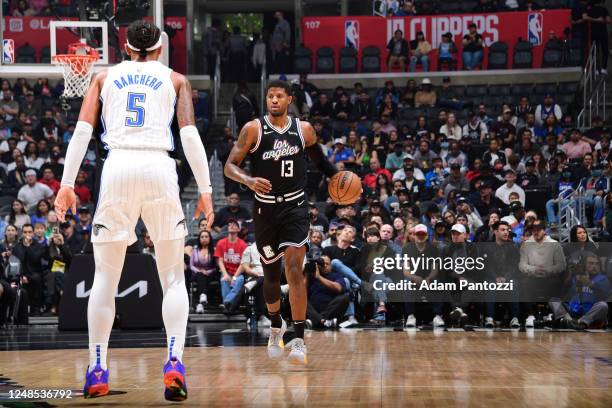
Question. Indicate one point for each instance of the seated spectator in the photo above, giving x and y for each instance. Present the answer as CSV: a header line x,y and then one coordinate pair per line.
x,y
11,237
551,148
253,272
229,252
31,156
395,159
318,222
341,153
424,156
364,107
419,52
58,257
588,290
541,264
203,268
426,96
529,178
472,48
32,192
523,109
409,93
10,107
486,6
327,297
48,179
503,192
446,52
322,109
233,211
400,174
42,209
388,107
504,130
81,189
17,215
343,109
364,154
548,107
549,127
447,96
389,88
475,129
576,148
407,10
398,51
456,156
451,129
73,239
369,180
23,9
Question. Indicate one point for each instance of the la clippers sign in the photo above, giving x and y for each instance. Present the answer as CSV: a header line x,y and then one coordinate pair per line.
x,y
362,31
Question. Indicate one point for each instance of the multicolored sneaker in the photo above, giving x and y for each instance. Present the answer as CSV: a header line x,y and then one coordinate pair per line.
x,y
275,341
174,380
96,382
298,353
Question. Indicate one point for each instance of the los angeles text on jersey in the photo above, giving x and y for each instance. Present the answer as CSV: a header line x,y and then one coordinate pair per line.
x,y
146,80
463,284
281,148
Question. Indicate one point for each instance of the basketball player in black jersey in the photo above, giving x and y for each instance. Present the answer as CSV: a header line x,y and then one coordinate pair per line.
x,y
277,145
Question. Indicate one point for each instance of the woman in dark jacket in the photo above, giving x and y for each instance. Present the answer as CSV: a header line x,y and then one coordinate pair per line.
x,y
58,257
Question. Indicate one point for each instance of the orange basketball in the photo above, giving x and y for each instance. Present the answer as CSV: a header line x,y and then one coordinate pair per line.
x,y
344,187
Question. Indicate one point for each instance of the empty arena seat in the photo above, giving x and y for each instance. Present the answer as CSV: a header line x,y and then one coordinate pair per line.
x,y
325,60
45,55
553,54
370,59
543,89
348,60
303,60
498,55
523,55
501,90
476,90
522,89
568,87
575,55
26,54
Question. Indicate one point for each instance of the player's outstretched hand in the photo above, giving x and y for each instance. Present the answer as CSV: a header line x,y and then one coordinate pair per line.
x,y
66,200
259,185
205,205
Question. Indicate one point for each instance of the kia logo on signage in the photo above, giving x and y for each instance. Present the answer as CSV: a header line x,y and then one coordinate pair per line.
x,y
140,286
16,25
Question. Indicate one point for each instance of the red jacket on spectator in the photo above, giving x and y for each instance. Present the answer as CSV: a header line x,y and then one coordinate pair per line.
x,y
370,179
83,192
53,184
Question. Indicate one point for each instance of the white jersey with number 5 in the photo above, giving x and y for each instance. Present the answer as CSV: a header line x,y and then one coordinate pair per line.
x,y
138,100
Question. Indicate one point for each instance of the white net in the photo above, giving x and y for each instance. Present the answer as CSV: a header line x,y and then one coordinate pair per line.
x,y
77,73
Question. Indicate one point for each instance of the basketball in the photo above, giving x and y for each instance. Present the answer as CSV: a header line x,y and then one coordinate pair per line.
x,y
345,187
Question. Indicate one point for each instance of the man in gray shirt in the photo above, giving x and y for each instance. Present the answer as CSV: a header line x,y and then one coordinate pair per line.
x,y
280,43
32,192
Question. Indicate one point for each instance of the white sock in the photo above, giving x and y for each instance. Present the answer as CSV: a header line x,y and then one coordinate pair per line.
x,y
97,355
175,306
176,343
101,306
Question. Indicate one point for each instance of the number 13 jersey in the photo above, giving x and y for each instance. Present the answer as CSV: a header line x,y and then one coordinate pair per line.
x,y
138,101
279,157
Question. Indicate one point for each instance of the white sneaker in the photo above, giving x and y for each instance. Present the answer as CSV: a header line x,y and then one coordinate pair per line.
x,y
410,322
203,299
263,321
350,322
438,321
298,353
248,287
200,308
275,341
285,289
514,323
308,324
530,322
489,323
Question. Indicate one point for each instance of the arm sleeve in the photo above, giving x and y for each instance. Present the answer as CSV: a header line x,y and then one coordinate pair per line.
x,y
76,151
196,157
316,155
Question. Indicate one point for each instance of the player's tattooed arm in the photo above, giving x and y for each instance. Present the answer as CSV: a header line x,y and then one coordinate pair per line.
x,y
246,140
314,150
184,104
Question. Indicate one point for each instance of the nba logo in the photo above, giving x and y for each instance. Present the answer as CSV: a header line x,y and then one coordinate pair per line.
x,y
534,28
8,51
351,34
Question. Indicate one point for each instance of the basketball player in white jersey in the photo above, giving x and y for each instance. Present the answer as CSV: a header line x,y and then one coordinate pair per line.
x,y
135,101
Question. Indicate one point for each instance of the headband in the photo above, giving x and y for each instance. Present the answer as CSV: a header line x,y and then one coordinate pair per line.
x,y
151,48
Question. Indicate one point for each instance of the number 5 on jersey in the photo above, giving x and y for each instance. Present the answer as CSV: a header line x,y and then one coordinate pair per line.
x,y
135,109
287,168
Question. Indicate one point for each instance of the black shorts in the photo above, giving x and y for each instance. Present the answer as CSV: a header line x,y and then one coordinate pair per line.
x,y
279,225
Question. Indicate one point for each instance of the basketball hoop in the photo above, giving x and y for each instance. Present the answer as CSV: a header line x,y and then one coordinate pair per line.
x,y
76,66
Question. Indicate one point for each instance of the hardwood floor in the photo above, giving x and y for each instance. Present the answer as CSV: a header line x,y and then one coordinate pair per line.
x,y
348,369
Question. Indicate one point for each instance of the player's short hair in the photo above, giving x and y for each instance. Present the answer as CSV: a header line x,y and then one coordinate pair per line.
x,y
279,84
142,35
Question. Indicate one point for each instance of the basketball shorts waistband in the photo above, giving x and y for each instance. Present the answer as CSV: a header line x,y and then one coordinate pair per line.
x,y
277,199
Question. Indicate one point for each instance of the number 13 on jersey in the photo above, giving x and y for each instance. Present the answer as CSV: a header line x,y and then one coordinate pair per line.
x,y
287,168
136,112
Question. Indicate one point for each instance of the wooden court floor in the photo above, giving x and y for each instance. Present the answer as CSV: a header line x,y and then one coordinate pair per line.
x,y
352,368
